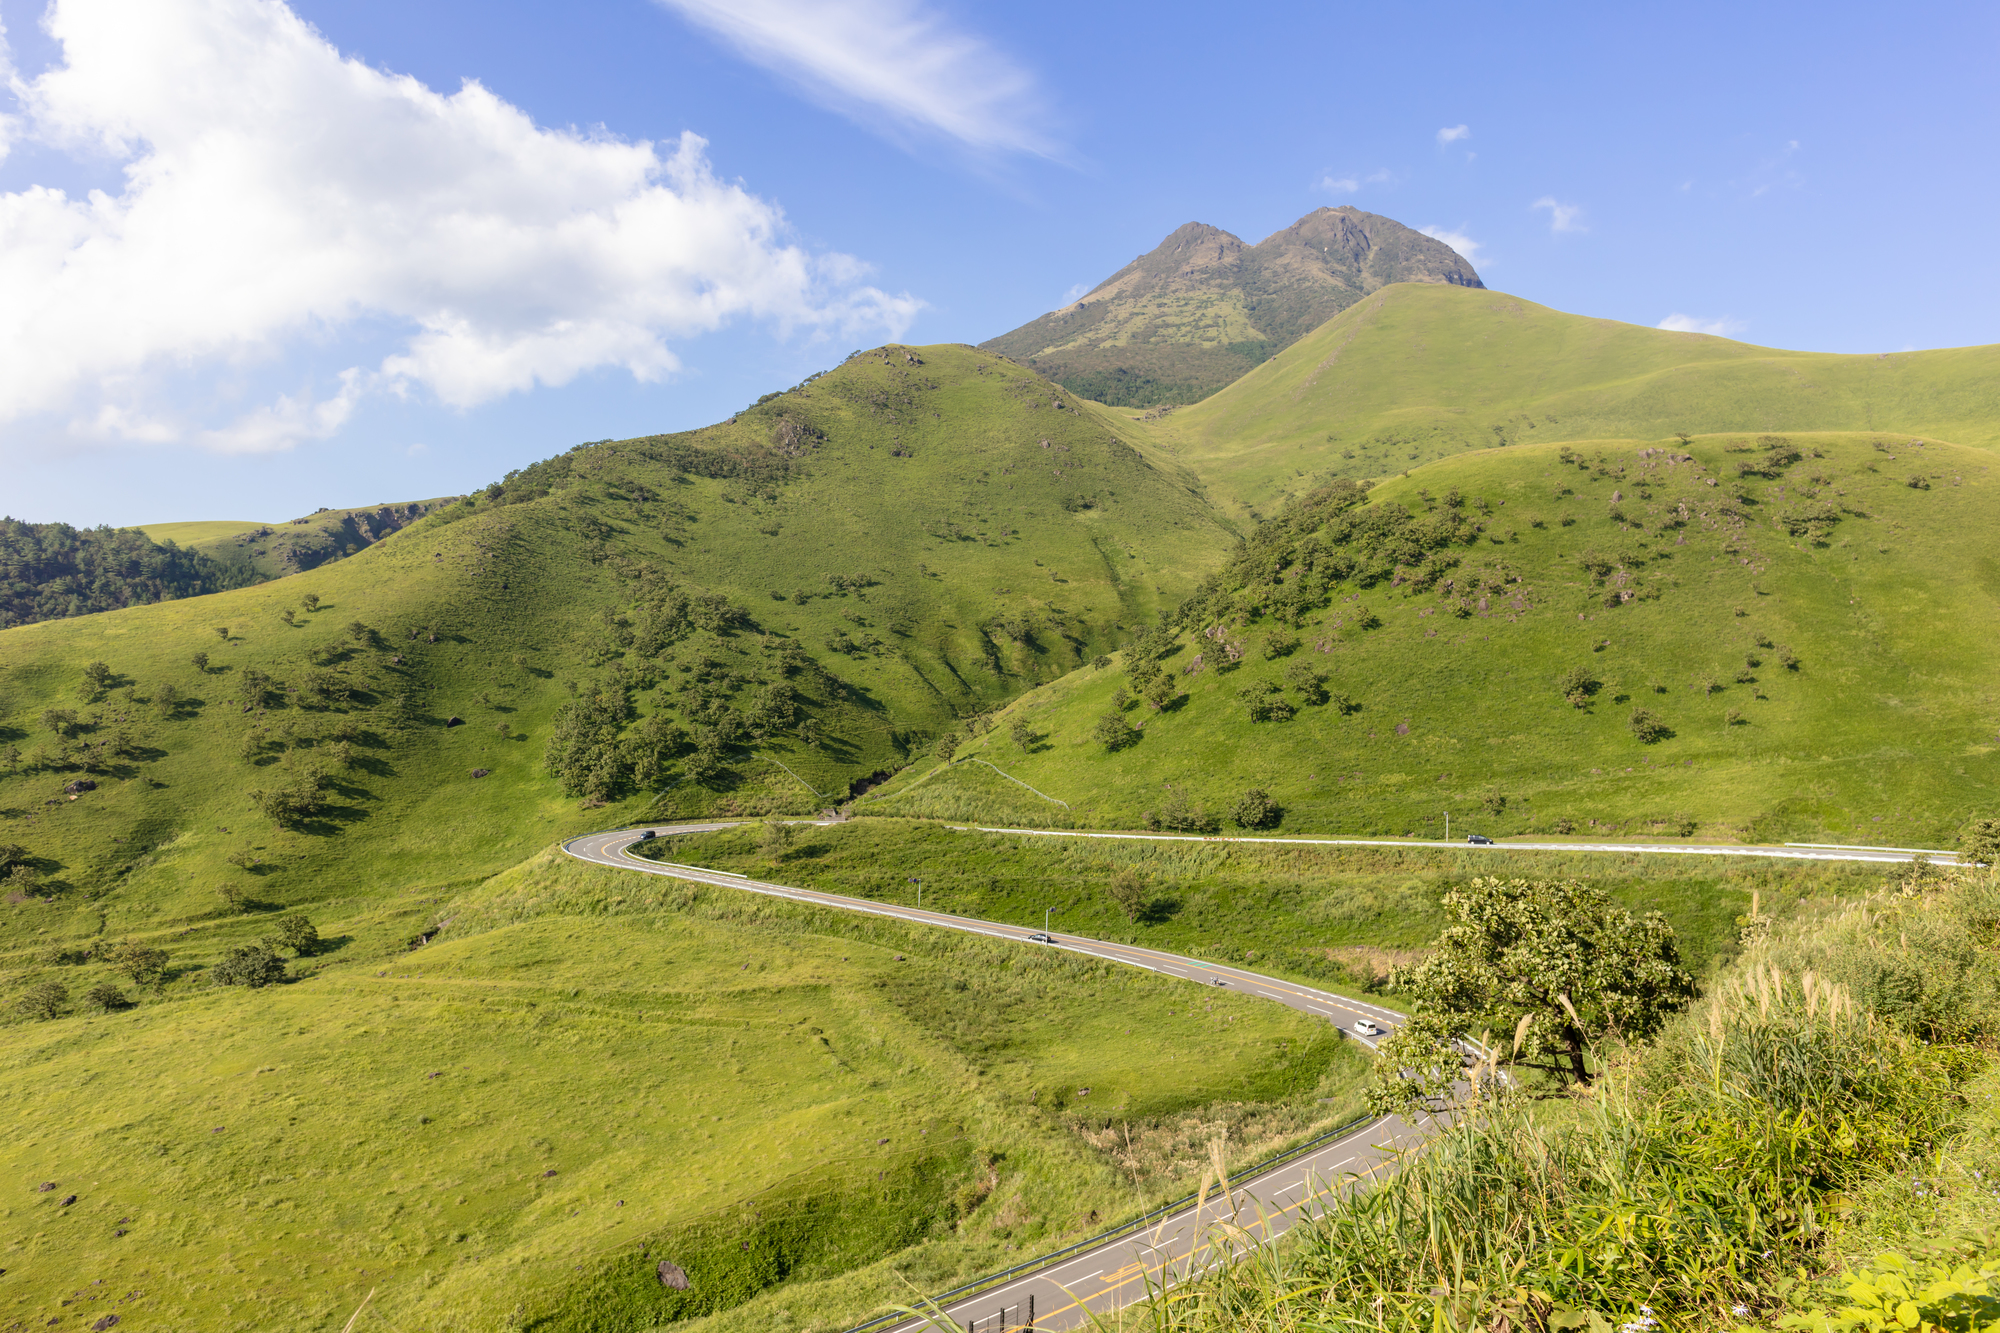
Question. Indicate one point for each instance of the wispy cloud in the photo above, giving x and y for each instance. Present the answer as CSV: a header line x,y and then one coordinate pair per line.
x,y
893,59
1451,134
1333,184
1723,326
1562,217
1468,249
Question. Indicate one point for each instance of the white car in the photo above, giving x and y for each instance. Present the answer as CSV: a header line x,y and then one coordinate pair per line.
x,y
1367,1027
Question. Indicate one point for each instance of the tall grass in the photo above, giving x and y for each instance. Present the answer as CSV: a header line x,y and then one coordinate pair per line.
x,y
1706,1182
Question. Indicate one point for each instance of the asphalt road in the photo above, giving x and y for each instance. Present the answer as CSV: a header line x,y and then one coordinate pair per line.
x,y
1118,1272
1791,851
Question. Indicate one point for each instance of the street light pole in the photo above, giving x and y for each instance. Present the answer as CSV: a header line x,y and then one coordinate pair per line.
x,y
1447,826
1045,919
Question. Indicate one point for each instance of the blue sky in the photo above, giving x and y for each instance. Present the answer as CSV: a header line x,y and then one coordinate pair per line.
x,y
321,270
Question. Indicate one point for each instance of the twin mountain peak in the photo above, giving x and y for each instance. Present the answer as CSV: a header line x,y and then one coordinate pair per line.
x,y
1203,307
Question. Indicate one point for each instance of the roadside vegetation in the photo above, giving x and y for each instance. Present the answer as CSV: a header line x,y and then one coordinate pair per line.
x,y
1811,1143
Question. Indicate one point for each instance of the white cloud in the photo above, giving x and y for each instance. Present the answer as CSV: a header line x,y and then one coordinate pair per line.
x,y
1468,249
1727,326
277,196
1452,134
893,58
1353,184
1562,217
1077,293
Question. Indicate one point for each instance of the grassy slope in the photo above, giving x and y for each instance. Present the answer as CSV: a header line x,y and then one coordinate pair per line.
x,y
1885,734
198,533
1419,372
388,1122
518,598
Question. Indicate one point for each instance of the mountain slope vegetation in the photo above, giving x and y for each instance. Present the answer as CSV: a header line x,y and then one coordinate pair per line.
x,y
1422,371
1764,637
1202,307
277,549
50,571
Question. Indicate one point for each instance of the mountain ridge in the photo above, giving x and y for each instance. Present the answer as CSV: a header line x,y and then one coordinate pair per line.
x,y
1203,307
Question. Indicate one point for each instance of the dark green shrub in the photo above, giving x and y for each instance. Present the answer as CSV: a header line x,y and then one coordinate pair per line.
x,y
296,933
47,1000
1577,685
145,965
1128,890
1256,809
1308,680
1981,842
105,998
1648,726
253,965
1114,732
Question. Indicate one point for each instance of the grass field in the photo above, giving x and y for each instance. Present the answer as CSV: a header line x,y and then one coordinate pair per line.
x,y
1418,372
588,1071
200,533
1673,584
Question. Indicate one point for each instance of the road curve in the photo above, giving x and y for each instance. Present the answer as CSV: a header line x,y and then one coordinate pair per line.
x,y
1100,1279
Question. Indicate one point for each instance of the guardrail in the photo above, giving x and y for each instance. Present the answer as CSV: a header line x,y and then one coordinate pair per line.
x,y
1140,1223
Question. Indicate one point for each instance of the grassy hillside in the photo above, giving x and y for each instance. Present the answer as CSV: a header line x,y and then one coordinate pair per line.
x,y
1201,308
587,1072
749,617
199,532
1420,371
277,549
1755,636
50,571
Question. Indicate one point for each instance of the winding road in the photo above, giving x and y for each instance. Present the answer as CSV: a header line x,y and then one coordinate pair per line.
x,y
1129,1267
1063,1290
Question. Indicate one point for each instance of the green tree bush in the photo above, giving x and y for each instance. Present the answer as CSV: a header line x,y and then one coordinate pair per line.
x,y
1649,727
252,965
293,931
1256,810
1128,890
48,999
144,964
1980,843
106,998
1556,964
1114,732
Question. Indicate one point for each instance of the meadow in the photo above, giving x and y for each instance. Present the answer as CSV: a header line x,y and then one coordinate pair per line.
x,y
586,1072
1755,638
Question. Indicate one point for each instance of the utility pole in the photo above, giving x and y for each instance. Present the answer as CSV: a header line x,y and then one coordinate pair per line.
x,y
1447,826
1045,919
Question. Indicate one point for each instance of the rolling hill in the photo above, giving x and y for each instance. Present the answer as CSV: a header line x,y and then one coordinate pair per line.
x,y
1423,371
1747,636
277,549
1202,308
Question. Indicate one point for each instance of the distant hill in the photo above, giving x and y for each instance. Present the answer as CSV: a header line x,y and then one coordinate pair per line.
x,y
277,549
1762,636
51,571
1175,325
1419,372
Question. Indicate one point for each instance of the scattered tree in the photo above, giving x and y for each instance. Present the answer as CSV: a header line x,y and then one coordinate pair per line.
x,y
106,998
1981,842
359,632
253,965
1578,684
1182,815
1162,690
1256,809
96,676
144,964
775,838
232,897
12,854
200,661
1113,732
1551,966
1648,726
286,616
62,721
1280,645
311,600
1121,699
1022,734
166,700
1128,890
44,1001
1308,680
1495,803
296,933
222,633
947,745
1100,661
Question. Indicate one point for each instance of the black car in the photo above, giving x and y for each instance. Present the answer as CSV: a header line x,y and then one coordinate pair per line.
x,y
647,834
1479,840
1039,938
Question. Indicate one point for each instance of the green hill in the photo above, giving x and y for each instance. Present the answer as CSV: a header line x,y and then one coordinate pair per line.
x,y
1752,636
751,617
277,549
1201,308
51,571
1423,371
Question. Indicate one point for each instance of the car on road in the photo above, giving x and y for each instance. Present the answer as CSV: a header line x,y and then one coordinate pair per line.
x,y
1039,938
647,834
1367,1027
1479,839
